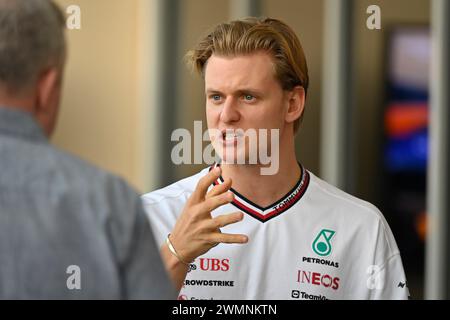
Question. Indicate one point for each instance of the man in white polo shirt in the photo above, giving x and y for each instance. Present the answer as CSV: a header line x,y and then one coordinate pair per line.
x,y
241,234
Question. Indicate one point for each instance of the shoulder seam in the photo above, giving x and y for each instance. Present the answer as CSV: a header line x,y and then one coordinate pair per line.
x,y
348,200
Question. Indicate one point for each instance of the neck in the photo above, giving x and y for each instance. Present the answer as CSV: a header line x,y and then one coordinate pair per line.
x,y
265,189
15,102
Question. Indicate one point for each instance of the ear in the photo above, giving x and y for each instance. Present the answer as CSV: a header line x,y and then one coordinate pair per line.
x,y
47,84
296,104
48,91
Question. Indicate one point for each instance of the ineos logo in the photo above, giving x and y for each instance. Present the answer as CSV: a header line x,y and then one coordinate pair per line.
x,y
318,279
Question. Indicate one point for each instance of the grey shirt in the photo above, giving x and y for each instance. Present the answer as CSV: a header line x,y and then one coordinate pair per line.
x,y
67,229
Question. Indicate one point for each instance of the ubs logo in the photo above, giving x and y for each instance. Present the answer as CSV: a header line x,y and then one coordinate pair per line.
x,y
212,264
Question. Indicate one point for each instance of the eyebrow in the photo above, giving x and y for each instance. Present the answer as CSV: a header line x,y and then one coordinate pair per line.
x,y
251,91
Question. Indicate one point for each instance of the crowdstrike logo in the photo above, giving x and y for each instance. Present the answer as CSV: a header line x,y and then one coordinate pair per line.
x,y
209,283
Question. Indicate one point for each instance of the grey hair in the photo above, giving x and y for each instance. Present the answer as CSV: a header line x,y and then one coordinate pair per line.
x,y
31,40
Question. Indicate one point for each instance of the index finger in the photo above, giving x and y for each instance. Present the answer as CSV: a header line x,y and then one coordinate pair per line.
x,y
228,238
203,184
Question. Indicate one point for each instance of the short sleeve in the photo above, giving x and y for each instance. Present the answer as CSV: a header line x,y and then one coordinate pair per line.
x,y
388,275
390,282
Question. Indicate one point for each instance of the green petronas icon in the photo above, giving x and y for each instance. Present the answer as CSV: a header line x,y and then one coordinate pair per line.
x,y
322,244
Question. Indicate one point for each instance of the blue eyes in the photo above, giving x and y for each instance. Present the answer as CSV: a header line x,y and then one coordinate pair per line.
x,y
245,97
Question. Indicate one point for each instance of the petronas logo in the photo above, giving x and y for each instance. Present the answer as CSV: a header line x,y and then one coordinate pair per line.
x,y
322,243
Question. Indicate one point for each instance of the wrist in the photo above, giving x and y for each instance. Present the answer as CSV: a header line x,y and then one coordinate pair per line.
x,y
175,254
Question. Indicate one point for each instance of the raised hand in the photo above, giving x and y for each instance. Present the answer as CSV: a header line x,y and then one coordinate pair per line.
x,y
195,231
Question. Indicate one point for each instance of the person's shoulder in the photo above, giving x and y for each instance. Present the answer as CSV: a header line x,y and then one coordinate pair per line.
x,y
180,189
79,168
361,213
338,198
81,174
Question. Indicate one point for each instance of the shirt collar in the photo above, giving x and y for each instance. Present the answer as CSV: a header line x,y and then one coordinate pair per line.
x,y
20,124
275,209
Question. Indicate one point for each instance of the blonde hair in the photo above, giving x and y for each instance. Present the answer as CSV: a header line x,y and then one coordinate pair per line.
x,y
246,36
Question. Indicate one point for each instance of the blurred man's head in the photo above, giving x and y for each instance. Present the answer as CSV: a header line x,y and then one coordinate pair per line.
x,y
256,77
32,56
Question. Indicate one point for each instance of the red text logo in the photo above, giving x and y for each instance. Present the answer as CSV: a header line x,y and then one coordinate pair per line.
x,y
211,264
318,279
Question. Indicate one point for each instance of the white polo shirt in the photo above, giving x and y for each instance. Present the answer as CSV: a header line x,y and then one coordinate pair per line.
x,y
317,242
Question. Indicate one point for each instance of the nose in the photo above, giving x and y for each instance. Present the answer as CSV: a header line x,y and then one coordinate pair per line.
x,y
230,112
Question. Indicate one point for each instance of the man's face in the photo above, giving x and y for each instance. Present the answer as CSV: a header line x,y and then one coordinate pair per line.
x,y
242,93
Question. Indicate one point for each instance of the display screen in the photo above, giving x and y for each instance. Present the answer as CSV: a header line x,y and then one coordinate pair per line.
x,y
406,113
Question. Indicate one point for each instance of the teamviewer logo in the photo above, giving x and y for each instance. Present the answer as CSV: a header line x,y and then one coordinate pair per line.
x,y
295,294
